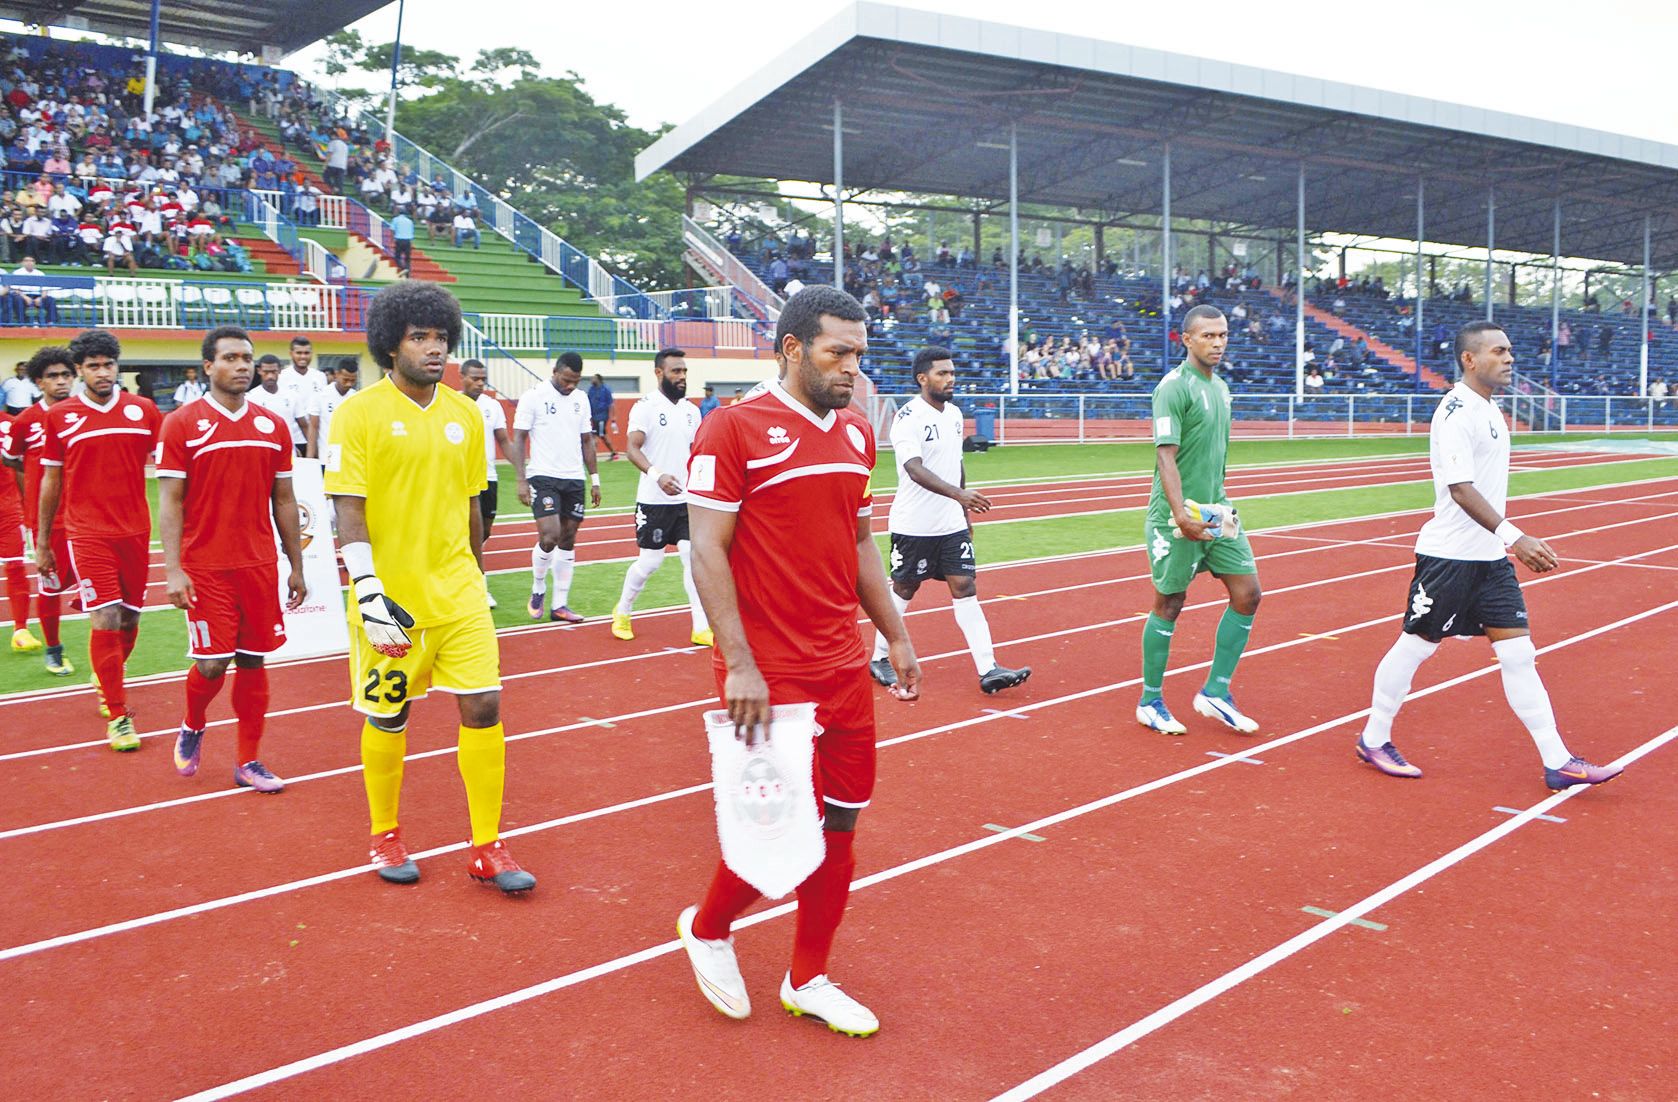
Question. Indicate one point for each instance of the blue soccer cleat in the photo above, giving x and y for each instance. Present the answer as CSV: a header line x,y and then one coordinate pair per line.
x,y
1223,709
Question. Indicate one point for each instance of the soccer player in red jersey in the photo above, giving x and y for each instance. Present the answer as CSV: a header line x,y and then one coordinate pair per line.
x,y
779,510
53,372
11,540
94,464
225,470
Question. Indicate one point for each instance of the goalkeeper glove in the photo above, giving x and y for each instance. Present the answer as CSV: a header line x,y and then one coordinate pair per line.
x,y
384,621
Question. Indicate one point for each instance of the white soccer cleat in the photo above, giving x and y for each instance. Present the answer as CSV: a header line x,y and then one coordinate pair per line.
x,y
715,967
822,999
1223,709
1155,715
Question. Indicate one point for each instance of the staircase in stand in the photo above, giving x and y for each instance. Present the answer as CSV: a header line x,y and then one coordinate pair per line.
x,y
273,258
1343,328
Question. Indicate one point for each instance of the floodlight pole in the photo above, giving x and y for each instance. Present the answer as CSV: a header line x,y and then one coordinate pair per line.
x,y
1013,259
1555,295
838,195
1643,320
1491,242
1299,291
1165,280
1421,285
151,58
395,63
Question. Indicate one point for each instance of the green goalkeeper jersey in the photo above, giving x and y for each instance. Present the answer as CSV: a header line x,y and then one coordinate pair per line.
x,y
1191,411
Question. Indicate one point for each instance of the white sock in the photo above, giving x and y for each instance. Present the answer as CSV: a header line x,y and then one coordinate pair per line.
x,y
684,551
1526,696
540,562
1393,678
565,564
882,649
636,577
976,630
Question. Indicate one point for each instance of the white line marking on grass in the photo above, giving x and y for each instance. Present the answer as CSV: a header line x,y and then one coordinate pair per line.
x,y
1235,977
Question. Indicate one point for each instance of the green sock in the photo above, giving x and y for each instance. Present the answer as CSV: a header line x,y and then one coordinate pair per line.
x,y
1156,648
1233,631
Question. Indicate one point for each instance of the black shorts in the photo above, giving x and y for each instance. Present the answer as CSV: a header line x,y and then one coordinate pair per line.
x,y
488,500
601,424
914,559
556,497
1463,597
660,526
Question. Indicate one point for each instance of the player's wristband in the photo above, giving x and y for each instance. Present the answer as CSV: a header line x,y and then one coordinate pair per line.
x,y
1508,533
358,559
654,473
595,478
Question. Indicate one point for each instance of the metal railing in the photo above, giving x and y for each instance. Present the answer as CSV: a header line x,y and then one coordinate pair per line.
x,y
140,303
714,259
507,374
321,263
551,334
1082,418
265,215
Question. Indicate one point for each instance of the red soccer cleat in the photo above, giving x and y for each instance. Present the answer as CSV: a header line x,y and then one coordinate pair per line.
x,y
390,858
494,864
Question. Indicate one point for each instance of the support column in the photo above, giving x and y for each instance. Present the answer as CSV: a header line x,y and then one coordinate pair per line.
x,y
1013,259
978,261
1643,320
1100,247
151,58
838,195
1299,291
1421,281
1555,296
395,63
1491,243
1165,261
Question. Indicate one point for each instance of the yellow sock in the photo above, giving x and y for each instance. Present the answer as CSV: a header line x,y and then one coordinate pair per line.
x,y
482,757
381,771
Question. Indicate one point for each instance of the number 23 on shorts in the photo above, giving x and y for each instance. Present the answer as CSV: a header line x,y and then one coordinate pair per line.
x,y
387,687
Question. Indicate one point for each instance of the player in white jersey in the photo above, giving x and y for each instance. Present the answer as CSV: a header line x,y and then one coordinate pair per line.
x,y
302,382
553,432
474,377
340,386
931,536
662,426
267,393
1464,584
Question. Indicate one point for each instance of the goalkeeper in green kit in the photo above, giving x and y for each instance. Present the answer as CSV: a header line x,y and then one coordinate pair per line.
x,y
1192,526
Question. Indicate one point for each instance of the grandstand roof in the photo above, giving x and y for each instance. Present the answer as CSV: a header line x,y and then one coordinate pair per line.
x,y
928,99
208,24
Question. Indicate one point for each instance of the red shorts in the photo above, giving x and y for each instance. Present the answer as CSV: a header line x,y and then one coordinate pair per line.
x,y
111,571
66,577
235,612
11,533
844,699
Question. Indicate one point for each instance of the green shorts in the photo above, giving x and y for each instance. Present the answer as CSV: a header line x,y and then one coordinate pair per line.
x,y
1175,561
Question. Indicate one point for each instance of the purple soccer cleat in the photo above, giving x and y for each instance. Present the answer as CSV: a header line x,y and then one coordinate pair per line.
x,y
189,745
1579,771
1388,760
253,774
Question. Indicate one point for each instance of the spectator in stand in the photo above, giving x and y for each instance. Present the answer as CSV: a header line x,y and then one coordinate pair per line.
x,y
465,227
337,160
1604,339
1313,378
402,233
1564,341
20,394
35,235
441,220
1672,311
24,293
1657,389
709,404
306,206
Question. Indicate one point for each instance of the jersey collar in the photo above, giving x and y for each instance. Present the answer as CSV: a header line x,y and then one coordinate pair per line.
x,y
244,408
116,397
780,392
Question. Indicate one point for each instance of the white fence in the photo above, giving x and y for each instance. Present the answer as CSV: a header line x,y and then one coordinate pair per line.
x,y
187,304
507,375
521,331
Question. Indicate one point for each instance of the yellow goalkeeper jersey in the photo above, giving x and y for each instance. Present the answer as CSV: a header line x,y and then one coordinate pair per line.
x,y
419,469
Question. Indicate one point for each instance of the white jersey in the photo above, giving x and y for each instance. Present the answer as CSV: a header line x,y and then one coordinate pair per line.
x,y
323,406
1468,442
282,404
934,437
669,428
495,420
302,388
556,423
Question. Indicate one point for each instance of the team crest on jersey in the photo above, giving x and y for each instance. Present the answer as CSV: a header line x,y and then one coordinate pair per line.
x,y
777,435
453,433
263,424
856,438
203,424
397,428
132,413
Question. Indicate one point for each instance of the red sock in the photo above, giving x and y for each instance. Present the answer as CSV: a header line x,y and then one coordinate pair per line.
x,y
250,704
104,651
47,610
724,900
821,906
200,690
17,588
130,636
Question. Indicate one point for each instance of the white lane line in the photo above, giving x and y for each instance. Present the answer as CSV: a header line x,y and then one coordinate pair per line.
x,y
1232,979
651,952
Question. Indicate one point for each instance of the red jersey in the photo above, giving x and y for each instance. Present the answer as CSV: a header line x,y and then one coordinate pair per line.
x,y
103,450
230,462
798,483
27,438
11,498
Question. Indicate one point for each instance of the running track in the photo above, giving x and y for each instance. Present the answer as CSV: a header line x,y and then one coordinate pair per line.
x,y
990,958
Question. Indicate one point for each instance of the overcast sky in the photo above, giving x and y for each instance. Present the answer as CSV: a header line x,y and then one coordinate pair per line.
x,y
1605,64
